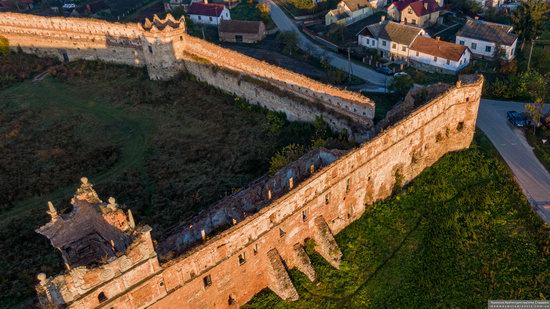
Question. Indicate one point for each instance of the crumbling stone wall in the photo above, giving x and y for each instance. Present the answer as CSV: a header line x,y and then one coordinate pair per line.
x,y
165,49
231,267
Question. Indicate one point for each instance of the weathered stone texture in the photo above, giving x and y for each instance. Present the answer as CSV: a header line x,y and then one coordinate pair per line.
x,y
325,244
239,262
278,279
165,49
303,263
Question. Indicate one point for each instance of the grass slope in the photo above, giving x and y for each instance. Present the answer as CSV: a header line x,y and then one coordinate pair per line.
x,y
458,235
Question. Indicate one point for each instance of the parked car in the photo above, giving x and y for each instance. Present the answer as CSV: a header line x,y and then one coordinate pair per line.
x,y
518,119
384,70
400,74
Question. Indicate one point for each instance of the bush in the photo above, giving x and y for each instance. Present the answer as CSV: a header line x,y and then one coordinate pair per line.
x,y
4,46
285,156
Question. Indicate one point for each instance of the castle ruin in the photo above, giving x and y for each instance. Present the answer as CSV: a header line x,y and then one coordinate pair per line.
x,y
244,243
165,49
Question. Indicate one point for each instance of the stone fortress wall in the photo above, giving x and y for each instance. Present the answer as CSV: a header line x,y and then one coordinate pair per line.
x,y
165,49
229,268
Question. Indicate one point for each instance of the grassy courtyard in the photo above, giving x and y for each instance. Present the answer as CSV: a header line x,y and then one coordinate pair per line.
x,y
458,235
164,149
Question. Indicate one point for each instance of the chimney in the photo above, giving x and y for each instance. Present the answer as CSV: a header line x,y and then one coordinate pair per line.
x,y
437,38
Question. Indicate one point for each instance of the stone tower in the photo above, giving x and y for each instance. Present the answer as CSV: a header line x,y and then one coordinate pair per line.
x,y
161,38
104,252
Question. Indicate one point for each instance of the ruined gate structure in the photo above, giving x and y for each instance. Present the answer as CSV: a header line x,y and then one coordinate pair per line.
x,y
113,263
165,49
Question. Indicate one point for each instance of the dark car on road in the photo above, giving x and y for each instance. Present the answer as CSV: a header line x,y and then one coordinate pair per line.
x,y
518,119
384,70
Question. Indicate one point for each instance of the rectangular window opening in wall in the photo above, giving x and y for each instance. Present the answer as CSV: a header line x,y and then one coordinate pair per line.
x,y
150,49
207,281
255,249
327,198
304,215
242,258
181,37
281,232
347,185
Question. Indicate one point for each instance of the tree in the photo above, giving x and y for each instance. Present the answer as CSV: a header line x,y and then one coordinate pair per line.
x,y
532,85
4,46
535,111
288,40
264,10
400,85
285,156
336,32
529,19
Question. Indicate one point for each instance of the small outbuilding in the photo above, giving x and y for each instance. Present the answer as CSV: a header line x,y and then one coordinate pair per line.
x,y
241,31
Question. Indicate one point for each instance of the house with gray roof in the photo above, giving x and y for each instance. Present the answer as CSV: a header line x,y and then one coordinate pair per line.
x,y
392,39
485,38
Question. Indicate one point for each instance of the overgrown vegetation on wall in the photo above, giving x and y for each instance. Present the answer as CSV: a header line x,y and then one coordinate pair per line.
x,y
460,234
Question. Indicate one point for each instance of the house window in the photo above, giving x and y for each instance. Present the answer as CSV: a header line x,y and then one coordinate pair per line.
x,y
207,281
474,45
404,48
417,54
435,59
410,11
461,42
413,21
487,49
199,18
242,258
448,61
101,297
210,18
394,46
383,43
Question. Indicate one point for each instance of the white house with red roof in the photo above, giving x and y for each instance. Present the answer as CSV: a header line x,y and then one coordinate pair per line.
x,y
208,13
422,13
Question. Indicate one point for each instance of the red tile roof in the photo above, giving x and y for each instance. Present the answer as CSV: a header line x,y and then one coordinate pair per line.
x,y
206,9
438,48
420,9
418,6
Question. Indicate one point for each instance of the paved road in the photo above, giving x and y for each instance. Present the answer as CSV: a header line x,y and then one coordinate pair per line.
x,y
511,144
285,23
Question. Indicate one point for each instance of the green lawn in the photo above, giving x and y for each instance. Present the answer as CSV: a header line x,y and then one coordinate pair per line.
x,y
427,78
460,234
384,102
250,11
542,151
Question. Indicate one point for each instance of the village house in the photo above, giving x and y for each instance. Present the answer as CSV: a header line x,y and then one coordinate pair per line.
x,y
486,39
19,5
208,13
349,11
241,31
422,13
392,39
438,56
